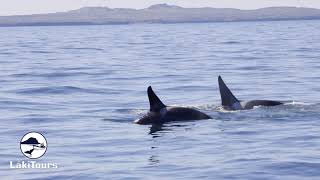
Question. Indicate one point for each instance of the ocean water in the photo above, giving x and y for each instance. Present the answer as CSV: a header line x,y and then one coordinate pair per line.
x,y
83,86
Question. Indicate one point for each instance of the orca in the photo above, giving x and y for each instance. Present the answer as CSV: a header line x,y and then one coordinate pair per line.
x,y
230,102
159,113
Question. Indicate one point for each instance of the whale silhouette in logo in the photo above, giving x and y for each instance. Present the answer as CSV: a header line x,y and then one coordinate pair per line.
x,y
30,151
230,102
159,113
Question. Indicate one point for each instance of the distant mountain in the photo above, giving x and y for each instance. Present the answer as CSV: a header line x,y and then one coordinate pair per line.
x,y
160,13
31,141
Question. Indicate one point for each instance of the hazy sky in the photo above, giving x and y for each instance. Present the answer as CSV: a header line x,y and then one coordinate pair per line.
x,y
12,7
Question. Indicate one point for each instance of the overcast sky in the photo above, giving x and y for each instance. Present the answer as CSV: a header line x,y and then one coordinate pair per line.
x,y
13,7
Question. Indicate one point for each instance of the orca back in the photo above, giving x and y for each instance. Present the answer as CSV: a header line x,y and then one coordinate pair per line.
x,y
253,103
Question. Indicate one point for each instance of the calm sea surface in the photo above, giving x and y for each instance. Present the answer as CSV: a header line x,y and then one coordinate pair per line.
x,y
82,86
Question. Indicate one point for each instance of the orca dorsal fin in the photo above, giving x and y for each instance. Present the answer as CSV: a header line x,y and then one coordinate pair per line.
x,y
227,98
155,103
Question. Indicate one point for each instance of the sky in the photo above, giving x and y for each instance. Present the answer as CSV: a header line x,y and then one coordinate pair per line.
x,y
22,7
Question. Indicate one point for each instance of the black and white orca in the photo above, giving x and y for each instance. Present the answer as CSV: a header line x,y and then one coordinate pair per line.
x,y
230,102
160,113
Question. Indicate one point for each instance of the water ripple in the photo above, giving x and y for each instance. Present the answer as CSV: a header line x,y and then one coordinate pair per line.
x,y
82,87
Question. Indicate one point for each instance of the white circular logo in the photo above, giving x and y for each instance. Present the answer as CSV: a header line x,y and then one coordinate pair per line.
x,y
33,145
